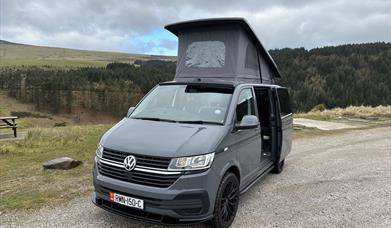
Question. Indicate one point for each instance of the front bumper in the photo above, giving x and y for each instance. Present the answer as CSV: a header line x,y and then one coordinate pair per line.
x,y
189,200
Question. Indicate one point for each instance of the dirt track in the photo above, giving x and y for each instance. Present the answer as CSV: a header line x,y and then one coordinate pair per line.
x,y
333,181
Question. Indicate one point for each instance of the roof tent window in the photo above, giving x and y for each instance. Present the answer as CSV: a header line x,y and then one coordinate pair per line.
x,y
251,57
205,54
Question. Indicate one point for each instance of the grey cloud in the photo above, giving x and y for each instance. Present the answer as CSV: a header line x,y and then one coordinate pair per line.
x,y
115,25
168,44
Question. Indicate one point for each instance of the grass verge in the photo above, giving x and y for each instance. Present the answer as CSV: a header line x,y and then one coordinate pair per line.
x,y
359,112
24,183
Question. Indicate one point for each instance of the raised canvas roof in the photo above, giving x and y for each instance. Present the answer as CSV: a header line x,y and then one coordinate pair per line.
x,y
222,48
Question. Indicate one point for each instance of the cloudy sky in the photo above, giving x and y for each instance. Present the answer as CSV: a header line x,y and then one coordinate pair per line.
x,y
136,26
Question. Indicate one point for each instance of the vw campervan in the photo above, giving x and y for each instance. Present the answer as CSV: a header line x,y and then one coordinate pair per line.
x,y
191,146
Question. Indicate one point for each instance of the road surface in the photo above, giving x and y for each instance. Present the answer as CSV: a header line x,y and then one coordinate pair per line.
x,y
328,181
322,125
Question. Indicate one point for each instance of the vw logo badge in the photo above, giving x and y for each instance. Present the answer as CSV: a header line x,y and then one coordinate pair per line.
x,y
130,163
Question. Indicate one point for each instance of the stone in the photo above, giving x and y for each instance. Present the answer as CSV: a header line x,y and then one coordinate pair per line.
x,y
61,163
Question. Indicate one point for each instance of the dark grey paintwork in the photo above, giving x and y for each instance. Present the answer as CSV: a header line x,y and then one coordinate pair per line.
x,y
167,139
239,149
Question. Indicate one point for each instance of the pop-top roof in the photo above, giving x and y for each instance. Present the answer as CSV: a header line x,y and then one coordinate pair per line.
x,y
187,27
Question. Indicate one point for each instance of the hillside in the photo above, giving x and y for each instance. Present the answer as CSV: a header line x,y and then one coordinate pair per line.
x,y
23,54
340,76
7,42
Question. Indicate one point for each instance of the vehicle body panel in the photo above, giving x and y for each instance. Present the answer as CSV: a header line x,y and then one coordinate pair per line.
x,y
163,139
238,149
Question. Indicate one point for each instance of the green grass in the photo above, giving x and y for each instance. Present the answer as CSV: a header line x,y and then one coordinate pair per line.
x,y
22,123
24,183
4,111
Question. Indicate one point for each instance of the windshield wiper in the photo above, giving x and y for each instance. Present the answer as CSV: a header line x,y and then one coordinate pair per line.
x,y
154,119
199,122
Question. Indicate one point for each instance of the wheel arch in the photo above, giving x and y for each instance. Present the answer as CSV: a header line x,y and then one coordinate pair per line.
x,y
231,168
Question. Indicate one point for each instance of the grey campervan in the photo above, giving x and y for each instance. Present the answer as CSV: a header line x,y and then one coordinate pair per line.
x,y
191,146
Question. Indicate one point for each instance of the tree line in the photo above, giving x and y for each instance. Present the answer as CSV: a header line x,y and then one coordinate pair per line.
x,y
111,90
357,74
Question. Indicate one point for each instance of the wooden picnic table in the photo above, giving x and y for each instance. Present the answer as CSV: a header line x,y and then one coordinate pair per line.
x,y
9,122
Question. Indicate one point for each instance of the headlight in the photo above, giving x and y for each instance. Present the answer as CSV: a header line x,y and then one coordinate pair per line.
x,y
191,163
99,151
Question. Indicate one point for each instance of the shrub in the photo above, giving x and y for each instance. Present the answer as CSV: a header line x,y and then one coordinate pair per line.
x,y
319,107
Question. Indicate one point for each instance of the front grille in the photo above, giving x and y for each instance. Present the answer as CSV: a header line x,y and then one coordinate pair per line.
x,y
135,176
142,160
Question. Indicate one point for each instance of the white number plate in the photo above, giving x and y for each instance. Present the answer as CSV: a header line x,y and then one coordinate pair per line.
x,y
126,200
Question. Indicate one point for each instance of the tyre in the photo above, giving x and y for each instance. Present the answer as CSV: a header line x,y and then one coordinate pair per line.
x,y
227,202
278,167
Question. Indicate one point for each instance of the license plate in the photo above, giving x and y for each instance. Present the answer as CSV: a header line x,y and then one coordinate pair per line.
x,y
126,200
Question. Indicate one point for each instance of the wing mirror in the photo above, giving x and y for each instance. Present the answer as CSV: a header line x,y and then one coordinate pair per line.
x,y
130,111
248,122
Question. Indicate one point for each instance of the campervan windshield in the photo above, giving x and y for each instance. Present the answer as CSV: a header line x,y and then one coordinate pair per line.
x,y
185,103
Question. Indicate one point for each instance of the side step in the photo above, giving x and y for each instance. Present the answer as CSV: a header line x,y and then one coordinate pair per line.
x,y
267,168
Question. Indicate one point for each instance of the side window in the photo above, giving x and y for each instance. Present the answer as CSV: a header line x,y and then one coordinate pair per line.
x,y
245,105
285,105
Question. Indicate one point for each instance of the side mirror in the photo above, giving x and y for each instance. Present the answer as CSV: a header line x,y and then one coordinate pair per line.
x,y
248,122
130,111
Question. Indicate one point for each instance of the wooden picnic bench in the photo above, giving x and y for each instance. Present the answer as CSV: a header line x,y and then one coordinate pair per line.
x,y
9,122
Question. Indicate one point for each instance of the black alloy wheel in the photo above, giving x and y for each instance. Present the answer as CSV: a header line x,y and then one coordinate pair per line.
x,y
227,201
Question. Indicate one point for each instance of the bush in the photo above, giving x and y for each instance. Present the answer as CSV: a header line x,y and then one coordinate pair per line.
x,y
61,124
319,107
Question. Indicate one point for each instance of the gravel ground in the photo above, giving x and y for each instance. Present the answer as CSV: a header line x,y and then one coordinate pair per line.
x,y
334,181
322,125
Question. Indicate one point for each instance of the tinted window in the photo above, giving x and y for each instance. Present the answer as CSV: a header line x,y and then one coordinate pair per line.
x,y
285,105
251,57
205,54
245,105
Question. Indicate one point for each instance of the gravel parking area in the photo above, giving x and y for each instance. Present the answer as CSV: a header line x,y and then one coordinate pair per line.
x,y
322,125
342,180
